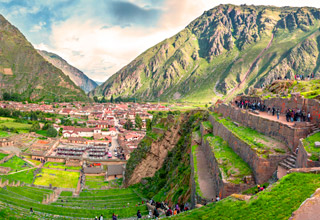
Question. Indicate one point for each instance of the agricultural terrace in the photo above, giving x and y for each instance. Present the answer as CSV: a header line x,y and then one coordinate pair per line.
x,y
57,178
233,168
24,176
16,164
277,202
60,165
262,144
123,202
309,145
2,155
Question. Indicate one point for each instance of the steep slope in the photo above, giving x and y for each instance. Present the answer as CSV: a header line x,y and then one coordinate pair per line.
x,y
24,71
223,52
77,76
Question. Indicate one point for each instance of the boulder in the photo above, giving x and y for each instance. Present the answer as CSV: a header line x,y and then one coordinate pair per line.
x,y
317,144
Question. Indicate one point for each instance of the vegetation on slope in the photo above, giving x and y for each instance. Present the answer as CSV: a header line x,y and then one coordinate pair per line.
x,y
277,202
232,166
171,183
225,46
26,74
309,145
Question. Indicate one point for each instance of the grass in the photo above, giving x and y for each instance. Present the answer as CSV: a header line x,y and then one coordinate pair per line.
x,y
16,164
256,140
57,178
4,134
16,125
207,125
195,167
254,189
2,155
233,167
6,119
35,162
309,145
66,193
76,207
95,182
42,132
277,202
24,176
60,165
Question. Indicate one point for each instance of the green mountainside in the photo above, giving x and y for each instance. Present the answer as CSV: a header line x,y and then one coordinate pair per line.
x,y
77,76
25,72
223,53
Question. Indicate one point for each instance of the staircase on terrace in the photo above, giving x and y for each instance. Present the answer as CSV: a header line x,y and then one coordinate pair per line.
x,y
289,162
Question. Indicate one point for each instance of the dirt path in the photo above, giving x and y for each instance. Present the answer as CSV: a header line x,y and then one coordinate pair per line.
x,y
204,176
240,85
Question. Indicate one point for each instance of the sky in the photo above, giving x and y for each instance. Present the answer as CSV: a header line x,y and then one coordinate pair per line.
x,y
99,37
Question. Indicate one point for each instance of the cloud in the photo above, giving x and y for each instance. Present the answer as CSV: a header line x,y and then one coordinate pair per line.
x,y
123,13
38,27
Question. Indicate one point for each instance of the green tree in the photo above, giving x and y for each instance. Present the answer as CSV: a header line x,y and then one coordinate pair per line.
x,y
138,121
148,124
51,132
103,100
95,99
128,124
111,99
35,126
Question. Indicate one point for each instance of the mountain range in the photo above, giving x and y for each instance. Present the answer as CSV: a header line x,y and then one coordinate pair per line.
x,y
24,72
226,51
76,75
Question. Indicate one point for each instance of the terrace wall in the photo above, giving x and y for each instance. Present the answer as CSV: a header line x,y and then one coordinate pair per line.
x,y
295,102
284,133
303,158
221,187
262,168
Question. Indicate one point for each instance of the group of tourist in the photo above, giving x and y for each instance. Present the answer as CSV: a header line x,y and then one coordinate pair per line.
x,y
291,114
254,105
169,211
297,115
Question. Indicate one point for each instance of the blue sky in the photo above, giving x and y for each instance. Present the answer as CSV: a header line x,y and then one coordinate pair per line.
x,y
101,36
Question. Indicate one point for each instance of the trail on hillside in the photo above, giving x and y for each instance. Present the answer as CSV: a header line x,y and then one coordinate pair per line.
x,y
240,85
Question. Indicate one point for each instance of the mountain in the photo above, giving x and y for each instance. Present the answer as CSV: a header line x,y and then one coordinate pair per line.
x,y
77,76
224,52
23,71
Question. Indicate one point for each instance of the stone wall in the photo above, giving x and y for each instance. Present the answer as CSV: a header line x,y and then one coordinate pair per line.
x,y
5,170
221,187
214,168
284,133
195,198
295,102
262,168
303,157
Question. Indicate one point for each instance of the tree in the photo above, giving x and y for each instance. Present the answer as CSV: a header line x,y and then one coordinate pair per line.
x,y
103,100
35,126
51,132
138,121
148,124
111,99
95,99
128,124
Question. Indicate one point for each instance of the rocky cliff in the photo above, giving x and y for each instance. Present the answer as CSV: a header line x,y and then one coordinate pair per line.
x,y
76,75
225,51
25,72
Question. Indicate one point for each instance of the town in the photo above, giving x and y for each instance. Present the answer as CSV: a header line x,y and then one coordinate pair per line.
x,y
86,134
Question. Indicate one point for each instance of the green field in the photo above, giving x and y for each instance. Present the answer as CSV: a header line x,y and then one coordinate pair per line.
x,y
60,165
309,145
123,202
24,176
16,125
278,202
233,167
3,119
95,182
2,155
16,164
4,134
57,178
35,162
